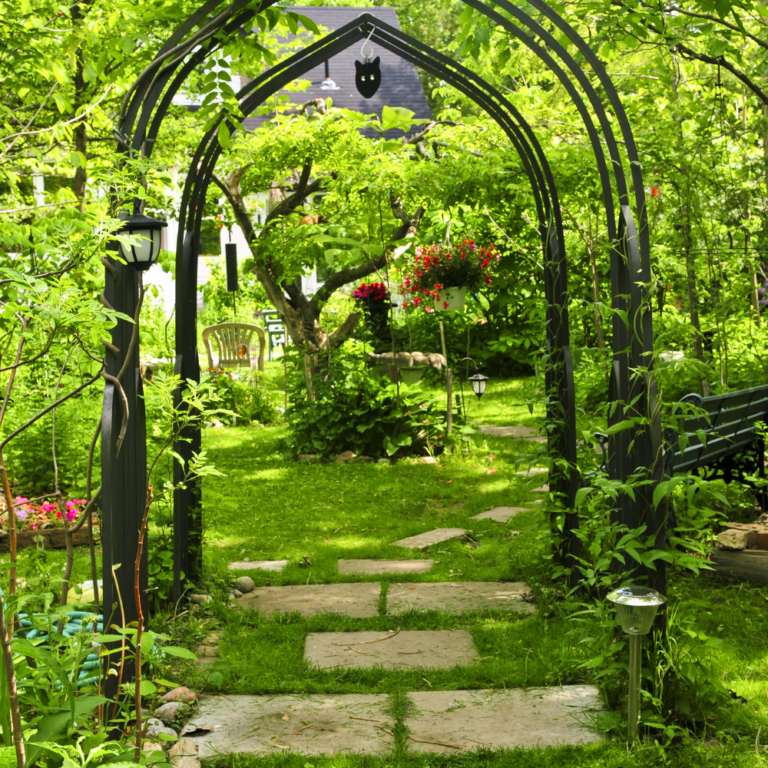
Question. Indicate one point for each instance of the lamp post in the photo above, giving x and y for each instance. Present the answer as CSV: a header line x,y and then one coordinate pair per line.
x,y
148,232
636,609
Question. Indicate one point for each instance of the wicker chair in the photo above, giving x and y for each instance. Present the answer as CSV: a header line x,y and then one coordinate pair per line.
x,y
234,344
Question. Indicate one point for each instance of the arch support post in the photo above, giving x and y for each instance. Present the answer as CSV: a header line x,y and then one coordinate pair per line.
x,y
561,408
636,451
123,472
187,498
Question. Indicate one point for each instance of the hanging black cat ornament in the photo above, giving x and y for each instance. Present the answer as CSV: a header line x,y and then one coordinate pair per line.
x,y
367,76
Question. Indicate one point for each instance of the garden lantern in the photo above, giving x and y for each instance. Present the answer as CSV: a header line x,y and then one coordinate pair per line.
x,y
636,609
478,382
148,230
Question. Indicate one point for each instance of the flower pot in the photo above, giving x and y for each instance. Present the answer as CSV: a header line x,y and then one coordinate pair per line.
x,y
450,299
412,375
377,317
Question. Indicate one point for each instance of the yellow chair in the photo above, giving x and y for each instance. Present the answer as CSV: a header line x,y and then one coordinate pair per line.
x,y
234,344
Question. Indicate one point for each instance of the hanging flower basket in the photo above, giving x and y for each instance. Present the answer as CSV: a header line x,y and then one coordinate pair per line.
x,y
439,276
449,299
375,302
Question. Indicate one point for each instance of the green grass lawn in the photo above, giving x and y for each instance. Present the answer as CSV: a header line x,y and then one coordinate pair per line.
x,y
268,507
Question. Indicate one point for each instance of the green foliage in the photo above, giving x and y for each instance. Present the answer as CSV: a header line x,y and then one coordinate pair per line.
x,y
360,410
245,397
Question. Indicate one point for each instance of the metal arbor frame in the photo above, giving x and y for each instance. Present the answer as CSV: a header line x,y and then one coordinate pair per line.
x,y
637,450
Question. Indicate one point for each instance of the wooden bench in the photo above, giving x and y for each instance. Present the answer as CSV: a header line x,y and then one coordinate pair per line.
x,y
721,443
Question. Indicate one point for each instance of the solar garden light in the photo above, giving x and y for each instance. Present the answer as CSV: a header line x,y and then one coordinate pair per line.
x,y
478,382
636,609
148,232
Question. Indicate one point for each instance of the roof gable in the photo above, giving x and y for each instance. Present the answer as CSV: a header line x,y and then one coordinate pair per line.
x,y
400,84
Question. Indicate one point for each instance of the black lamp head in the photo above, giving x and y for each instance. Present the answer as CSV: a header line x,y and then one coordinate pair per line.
x,y
145,253
478,382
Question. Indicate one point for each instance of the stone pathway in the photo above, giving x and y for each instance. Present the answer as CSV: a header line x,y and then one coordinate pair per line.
x,y
208,652
458,597
361,650
430,538
311,724
515,430
356,600
438,721
532,471
384,566
258,565
541,489
471,720
500,514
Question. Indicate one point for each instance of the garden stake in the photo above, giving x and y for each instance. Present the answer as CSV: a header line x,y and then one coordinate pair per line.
x,y
636,609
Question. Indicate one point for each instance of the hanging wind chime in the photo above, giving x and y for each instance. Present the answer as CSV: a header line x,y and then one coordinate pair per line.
x,y
367,72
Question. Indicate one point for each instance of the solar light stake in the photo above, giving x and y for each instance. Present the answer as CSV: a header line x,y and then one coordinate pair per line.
x,y
636,609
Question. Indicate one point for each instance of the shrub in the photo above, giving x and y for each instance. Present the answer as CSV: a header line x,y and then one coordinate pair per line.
x,y
357,409
246,396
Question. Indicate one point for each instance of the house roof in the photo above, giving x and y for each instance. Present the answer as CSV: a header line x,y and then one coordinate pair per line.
x,y
400,84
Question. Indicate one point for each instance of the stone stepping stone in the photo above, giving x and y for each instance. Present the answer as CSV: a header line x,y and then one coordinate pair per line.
x,y
430,538
208,652
459,597
499,514
472,720
514,430
258,565
384,566
541,489
311,724
361,650
532,471
358,601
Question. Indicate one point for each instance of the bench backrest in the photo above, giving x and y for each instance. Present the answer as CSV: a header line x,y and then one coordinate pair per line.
x,y
234,344
728,426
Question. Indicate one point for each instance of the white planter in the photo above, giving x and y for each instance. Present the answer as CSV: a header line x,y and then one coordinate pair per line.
x,y
411,375
452,297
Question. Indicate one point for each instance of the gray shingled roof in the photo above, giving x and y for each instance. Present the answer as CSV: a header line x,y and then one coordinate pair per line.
x,y
400,84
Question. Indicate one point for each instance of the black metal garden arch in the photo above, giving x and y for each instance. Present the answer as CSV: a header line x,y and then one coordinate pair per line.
x,y
145,105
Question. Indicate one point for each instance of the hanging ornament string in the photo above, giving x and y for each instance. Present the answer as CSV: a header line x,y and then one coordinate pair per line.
x,y
365,42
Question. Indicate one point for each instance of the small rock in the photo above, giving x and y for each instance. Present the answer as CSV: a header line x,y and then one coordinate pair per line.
x,y
217,423
200,599
184,754
244,584
763,519
154,731
168,711
362,460
384,461
733,539
196,608
307,457
237,593
182,693
346,456
151,746
428,460
152,721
